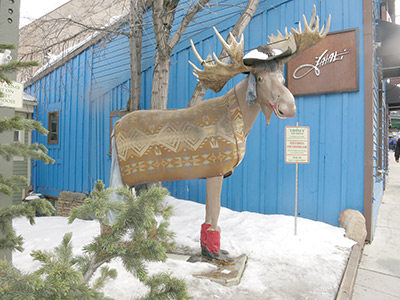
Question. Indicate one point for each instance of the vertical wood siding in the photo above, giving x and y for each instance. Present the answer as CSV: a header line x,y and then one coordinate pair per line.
x,y
66,90
94,83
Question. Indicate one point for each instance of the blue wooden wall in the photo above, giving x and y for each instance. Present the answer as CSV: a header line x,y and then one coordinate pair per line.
x,y
96,81
66,90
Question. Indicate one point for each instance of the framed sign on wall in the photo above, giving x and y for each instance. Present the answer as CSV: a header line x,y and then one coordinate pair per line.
x,y
331,66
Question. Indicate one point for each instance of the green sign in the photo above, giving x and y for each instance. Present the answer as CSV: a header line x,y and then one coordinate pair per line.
x,y
12,94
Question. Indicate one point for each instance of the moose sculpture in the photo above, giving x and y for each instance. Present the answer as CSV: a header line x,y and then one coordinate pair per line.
x,y
208,139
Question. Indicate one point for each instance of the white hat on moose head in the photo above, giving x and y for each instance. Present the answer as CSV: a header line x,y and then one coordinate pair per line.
x,y
264,53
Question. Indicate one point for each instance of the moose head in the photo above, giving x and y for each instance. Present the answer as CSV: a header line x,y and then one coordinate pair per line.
x,y
265,66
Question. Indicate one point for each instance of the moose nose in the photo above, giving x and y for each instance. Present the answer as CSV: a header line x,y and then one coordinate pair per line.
x,y
286,110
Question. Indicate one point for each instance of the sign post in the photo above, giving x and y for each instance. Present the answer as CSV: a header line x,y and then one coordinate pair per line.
x,y
297,151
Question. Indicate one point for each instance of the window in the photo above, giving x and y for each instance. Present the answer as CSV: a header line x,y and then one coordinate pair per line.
x,y
53,127
19,136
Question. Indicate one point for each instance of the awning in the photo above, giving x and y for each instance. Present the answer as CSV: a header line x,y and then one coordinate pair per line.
x,y
29,98
28,104
393,96
388,34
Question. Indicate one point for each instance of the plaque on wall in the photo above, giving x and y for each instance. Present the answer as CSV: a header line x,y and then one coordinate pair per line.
x,y
331,66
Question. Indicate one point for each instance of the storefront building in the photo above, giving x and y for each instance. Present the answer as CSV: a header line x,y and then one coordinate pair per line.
x,y
340,96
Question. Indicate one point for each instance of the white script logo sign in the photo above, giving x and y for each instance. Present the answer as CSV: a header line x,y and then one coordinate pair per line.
x,y
12,94
324,59
331,66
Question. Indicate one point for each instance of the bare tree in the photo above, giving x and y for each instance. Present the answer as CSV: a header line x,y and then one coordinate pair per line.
x,y
60,30
163,18
65,27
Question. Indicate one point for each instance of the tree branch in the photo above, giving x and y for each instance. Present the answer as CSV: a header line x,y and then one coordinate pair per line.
x,y
185,22
237,30
94,265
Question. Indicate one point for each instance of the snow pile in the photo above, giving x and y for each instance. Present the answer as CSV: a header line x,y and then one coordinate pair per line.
x,y
280,266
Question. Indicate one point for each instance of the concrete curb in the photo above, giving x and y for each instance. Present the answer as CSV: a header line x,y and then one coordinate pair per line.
x,y
345,291
354,224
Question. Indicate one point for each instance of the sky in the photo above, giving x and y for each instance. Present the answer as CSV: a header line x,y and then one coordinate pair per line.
x,y
33,9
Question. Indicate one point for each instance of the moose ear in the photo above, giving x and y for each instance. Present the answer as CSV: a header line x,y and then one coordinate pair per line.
x,y
264,53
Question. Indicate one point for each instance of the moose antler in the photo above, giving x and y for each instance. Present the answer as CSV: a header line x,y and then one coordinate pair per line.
x,y
217,73
299,40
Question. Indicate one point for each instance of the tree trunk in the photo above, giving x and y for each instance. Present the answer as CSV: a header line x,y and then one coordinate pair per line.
x,y
237,30
135,46
159,93
163,19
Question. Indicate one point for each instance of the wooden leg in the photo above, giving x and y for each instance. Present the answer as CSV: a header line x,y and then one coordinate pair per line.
x,y
213,200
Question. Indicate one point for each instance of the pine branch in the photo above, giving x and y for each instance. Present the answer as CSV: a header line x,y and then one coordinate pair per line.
x,y
6,46
14,66
11,240
10,184
97,206
35,151
163,286
65,281
105,274
15,285
7,151
64,251
19,123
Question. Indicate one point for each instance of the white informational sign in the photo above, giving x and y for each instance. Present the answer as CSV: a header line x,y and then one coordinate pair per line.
x,y
297,144
12,94
297,151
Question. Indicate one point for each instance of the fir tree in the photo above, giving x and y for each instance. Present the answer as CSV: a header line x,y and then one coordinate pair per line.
x,y
57,278
139,234
9,240
7,151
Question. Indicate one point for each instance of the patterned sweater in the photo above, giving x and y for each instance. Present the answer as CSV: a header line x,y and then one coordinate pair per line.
x,y
202,141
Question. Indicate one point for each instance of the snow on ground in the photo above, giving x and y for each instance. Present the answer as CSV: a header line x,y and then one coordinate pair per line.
x,y
281,266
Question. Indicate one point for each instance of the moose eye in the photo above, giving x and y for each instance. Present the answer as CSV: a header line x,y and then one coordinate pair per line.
x,y
259,79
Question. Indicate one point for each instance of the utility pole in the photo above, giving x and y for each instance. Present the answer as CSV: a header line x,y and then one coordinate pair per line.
x,y
9,28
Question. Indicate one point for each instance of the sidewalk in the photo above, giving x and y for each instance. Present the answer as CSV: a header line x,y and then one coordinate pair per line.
x,y
378,276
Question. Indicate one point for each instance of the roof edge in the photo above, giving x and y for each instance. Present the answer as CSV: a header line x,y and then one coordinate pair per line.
x,y
96,37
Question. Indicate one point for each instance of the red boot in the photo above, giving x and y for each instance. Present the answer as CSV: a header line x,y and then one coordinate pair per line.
x,y
211,247
203,234
213,240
